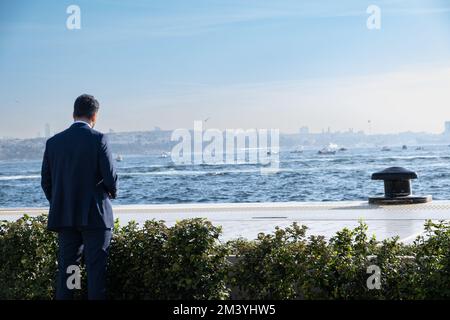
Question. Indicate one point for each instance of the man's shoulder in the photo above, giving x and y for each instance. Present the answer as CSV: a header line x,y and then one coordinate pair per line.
x,y
62,136
100,136
56,138
97,133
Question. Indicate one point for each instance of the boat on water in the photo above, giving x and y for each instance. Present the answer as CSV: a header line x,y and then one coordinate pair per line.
x,y
298,150
420,148
119,158
328,150
385,149
343,149
164,155
404,147
325,152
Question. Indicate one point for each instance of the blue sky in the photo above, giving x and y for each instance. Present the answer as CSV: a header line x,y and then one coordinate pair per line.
x,y
249,63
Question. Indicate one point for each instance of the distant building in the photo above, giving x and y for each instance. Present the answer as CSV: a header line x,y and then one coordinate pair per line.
x,y
304,130
47,130
447,128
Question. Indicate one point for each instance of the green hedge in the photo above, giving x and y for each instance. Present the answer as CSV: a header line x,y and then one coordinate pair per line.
x,y
187,261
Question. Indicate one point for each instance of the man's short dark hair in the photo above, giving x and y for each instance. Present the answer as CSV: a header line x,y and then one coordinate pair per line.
x,y
85,106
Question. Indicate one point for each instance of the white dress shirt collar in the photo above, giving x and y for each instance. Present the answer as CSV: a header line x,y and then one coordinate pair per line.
x,y
81,121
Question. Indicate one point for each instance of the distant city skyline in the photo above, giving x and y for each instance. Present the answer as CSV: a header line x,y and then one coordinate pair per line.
x,y
279,64
304,130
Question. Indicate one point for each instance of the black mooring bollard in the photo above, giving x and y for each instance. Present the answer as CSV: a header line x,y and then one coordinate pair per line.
x,y
397,187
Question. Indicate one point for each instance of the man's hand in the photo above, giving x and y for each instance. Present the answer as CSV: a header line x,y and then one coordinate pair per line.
x,y
111,196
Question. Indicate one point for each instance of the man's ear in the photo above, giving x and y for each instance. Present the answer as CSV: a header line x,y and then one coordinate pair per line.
x,y
94,118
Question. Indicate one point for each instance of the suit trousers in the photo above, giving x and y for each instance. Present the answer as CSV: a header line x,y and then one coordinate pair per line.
x,y
94,245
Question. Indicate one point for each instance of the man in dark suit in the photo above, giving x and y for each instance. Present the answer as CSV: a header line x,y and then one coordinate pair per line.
x,y
79,179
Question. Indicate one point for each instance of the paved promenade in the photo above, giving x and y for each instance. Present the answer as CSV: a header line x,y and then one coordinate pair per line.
x,y
248,219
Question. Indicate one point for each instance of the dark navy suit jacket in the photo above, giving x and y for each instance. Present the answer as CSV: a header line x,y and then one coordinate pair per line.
x,y
78,179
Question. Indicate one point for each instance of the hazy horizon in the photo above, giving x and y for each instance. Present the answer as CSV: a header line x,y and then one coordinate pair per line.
x,y
41,134
278,64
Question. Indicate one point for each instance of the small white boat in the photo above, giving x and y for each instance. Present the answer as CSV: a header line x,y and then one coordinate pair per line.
x,y
164,155
325,152
119,158
330,149
298,150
